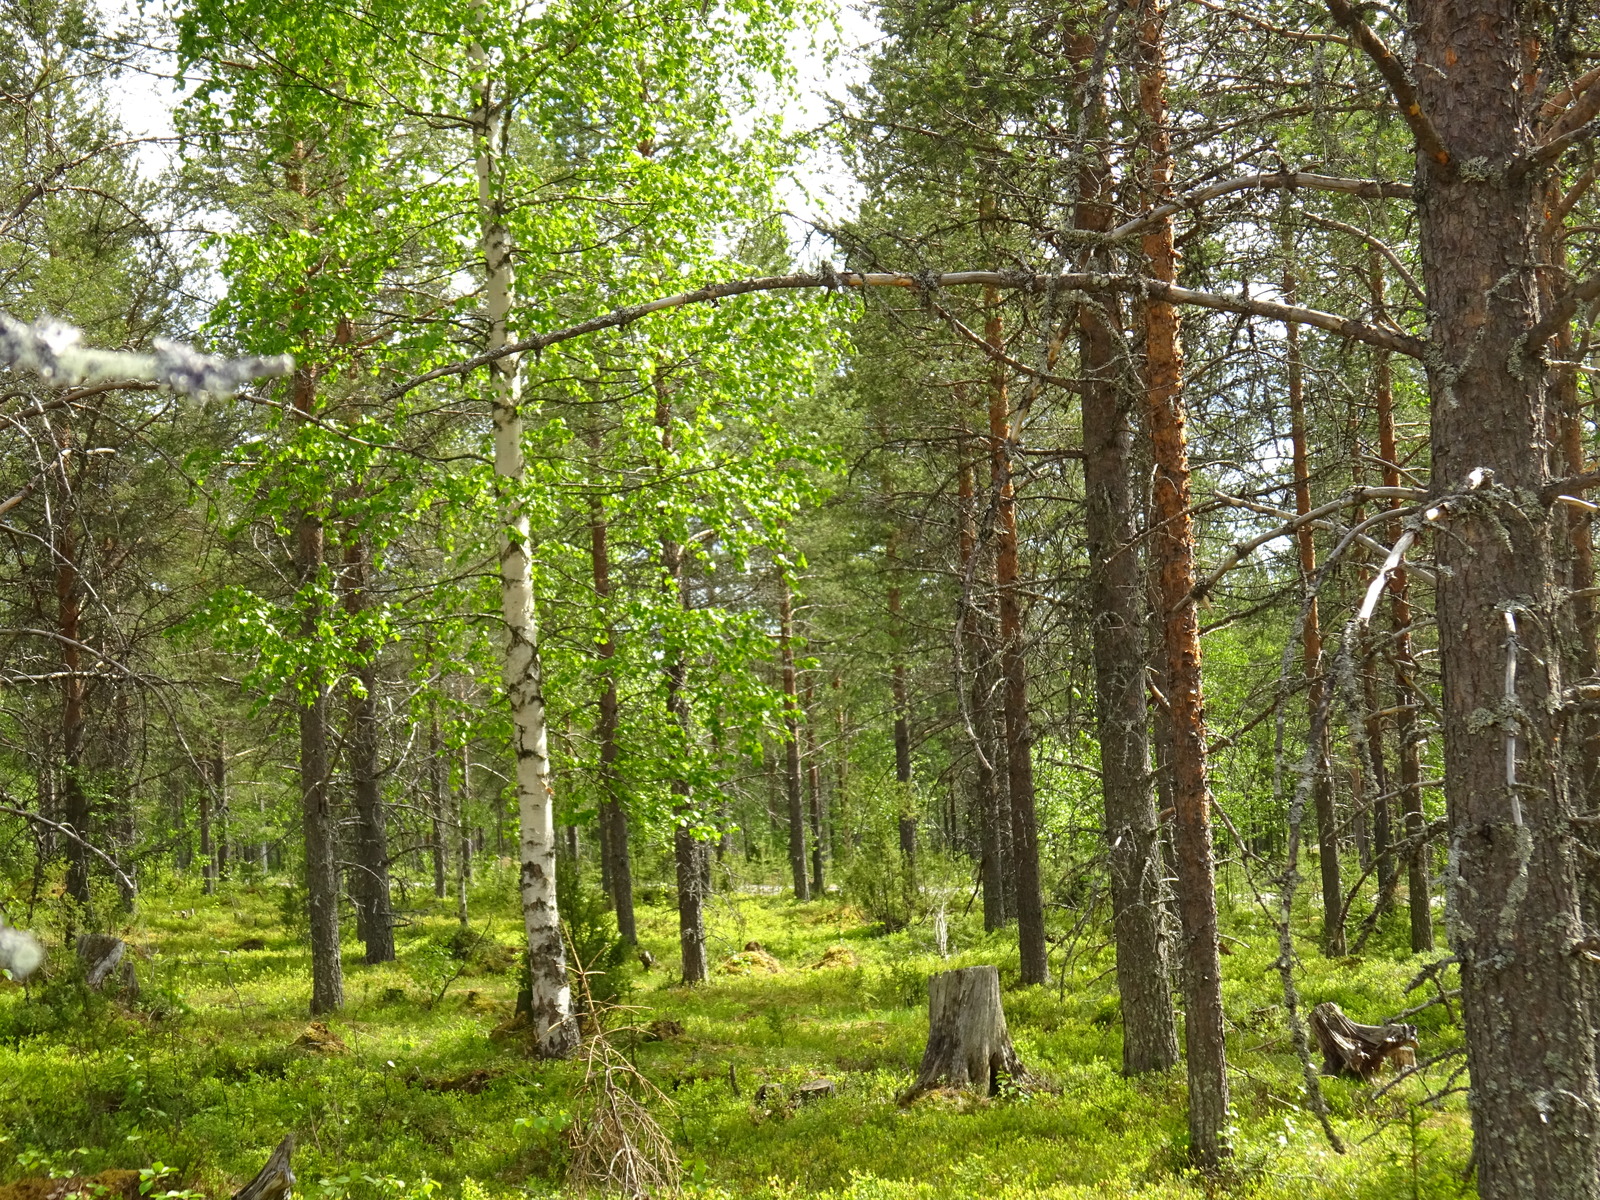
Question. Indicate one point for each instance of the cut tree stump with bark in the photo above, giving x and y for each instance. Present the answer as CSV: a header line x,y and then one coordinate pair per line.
x,y
969,1045
1360,1050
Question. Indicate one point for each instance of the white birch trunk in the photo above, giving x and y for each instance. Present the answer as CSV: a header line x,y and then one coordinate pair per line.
x,y
550,993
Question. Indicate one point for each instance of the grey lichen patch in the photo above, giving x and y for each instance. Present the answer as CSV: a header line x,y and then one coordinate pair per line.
x,y
1483,719
1516,891
1476,170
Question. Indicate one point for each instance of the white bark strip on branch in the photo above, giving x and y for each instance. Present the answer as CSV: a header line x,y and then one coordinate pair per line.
x,y
54,352
1242,550
1511,717
1369,603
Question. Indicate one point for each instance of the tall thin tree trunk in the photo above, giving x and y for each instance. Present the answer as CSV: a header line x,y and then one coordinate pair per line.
x,y
463,841
1117,602
322,869
1333,941
316,802
980,689
902,709
691,855
208,856
549,994
616,862
1408,737
839,809
438,772
791,748
814,792
1513,912
69,610
219,782
370,880
1173,544
1382,827
1024,861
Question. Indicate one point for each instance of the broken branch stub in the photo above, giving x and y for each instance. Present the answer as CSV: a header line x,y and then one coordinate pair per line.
x,y
969,1046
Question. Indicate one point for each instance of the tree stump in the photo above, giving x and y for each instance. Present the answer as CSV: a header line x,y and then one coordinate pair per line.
x,y
969,1045
100,954
1359,1050
275,1179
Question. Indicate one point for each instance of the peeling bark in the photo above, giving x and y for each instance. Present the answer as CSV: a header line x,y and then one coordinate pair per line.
x,y
1173,544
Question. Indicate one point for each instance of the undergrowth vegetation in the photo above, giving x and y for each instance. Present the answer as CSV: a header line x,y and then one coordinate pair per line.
x,y
417,1088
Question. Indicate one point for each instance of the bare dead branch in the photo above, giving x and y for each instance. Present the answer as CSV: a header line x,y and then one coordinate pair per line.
x,y
1400,85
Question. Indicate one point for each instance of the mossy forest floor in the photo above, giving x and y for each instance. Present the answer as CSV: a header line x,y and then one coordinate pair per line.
x,y
203,1073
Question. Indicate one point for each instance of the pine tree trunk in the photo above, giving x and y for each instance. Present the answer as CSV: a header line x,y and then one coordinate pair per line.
x,y
1408,738
1513,896
219,772
1173,546
1382,825
814,794
438,773
980,693
208,858
838,811
322,868
69,609
550,995
902,722
372,838
1333,941
1024,860
791,747
1117,604
1150,1040
691,856
316,803
463,842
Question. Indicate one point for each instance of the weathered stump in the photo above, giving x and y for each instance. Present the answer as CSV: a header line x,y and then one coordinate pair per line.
x,y
275,1179
1359,1050
969,1045
108,966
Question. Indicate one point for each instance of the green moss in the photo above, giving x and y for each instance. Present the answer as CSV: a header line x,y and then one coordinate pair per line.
x,y
210,1078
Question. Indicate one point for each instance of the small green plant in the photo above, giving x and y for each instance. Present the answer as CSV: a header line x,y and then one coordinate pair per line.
x,y
779,1023
157,1173
35,1161
592,938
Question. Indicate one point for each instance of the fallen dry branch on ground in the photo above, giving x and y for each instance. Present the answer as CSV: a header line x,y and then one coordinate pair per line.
x,y
617,1144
